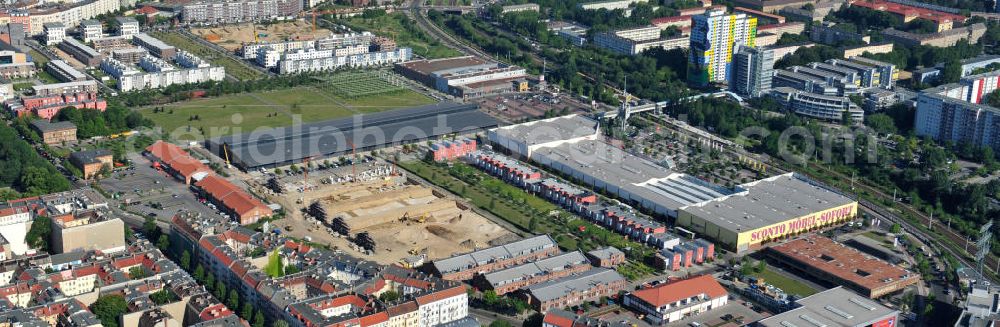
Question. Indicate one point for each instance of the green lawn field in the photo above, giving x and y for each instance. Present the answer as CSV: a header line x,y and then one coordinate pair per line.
x,y
232,114
400,28
786,284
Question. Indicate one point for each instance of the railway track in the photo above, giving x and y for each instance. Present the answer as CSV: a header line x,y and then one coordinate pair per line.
x,y
953,244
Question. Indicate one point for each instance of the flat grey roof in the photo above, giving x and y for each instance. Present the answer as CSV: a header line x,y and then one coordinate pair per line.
x,y
290,144
548,130
82,47
90,156
870,62
767,202
558,288
635,175
797,76
152,41
509,250
46,126
537,268
834,307
605,253
69,70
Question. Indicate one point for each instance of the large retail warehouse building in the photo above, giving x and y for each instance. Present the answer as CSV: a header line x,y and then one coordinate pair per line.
x,y
739,219
767,210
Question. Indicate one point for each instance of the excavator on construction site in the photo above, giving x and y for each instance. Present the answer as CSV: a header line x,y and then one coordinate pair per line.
x,y
420,220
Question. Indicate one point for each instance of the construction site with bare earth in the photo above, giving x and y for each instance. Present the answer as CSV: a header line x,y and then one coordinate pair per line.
x,y
381,214
232,37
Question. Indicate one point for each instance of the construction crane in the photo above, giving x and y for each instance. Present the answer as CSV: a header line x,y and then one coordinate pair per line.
x,y
225,150
354,155
305,171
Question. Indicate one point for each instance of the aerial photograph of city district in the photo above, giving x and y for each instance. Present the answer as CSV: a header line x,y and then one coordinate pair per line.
x,y
499,163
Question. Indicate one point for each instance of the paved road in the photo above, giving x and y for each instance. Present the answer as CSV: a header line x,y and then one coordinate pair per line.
x,y
777,166
414,11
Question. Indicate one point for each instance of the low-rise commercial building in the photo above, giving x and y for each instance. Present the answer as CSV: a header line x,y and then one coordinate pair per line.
x,y
177,161
767,210
465,76
827,260
834,307
675,300
562,318
233,201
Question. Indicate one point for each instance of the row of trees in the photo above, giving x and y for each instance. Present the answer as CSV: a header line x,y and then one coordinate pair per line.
x,y
181,92
23,170
925,182
92,122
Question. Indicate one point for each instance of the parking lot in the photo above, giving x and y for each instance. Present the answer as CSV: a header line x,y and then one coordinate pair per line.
x,y
150,192
735,313
521,106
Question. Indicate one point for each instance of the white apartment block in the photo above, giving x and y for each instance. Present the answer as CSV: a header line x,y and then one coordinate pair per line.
x,y
187,60
144,81
444,310
72,15
154,64
158,73
91,30
250,51
610,4
14,225
216,12
127,26
367,59
635,41
54,33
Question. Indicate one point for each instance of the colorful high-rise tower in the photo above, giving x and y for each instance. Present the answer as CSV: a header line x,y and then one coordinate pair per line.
x,y
714,35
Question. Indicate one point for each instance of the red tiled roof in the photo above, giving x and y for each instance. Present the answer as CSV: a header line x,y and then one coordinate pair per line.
x,y
178,159
671,19
374,319
441,295
557,320
904,10
661,295
402,308
232,196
